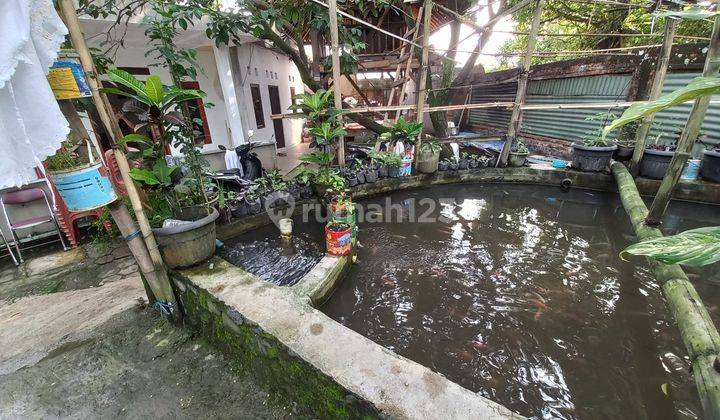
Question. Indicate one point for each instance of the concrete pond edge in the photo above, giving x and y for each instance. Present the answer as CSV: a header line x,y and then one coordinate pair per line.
x,y
304,358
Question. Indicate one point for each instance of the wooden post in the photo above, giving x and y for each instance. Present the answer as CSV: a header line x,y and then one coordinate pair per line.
x,y
689,134
316,53
337,94
522,85
422,88
655,91
697,330
157,278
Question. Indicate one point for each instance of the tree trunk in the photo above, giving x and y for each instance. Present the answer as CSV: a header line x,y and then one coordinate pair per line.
x,y
697,330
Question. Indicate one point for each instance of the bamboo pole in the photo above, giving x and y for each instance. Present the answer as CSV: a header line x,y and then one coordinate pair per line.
x,y
697,330
156,275
655,92
690,133
522,85
425,60
408,70
337,94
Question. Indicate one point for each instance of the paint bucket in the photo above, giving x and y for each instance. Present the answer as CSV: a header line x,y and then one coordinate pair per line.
x,y
349,218
406,167
85,188
691,171
338,242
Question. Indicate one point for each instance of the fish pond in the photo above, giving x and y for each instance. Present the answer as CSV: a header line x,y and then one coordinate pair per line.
x,y
518,293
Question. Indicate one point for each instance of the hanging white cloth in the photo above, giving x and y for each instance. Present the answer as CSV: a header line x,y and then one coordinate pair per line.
x,y
32,127
232,161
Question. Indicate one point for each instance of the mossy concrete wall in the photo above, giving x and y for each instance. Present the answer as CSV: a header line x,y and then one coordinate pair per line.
x,y
306,359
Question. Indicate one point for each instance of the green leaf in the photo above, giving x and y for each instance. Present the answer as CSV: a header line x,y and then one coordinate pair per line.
x,y
145,176
140,138
163,172
123,78
699,87
695,248
154,89
690,13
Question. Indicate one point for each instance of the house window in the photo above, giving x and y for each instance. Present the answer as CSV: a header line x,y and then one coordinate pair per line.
x,y
201,128
292,97
257,106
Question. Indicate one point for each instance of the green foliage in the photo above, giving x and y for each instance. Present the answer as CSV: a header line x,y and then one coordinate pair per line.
x,y
321,159
695,248
330,178
520,147
393,160
326,133
403,130
304,175
595,138
698,87
160,174
63,159
272,181
432,147
313,105
693,12
562,17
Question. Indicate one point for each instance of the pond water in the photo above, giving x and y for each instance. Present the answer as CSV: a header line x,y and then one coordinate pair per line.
x,y
262,252
517,293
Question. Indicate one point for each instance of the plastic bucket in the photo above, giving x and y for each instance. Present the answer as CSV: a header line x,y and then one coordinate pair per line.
x,y
406,167
339,243
84,189
691,171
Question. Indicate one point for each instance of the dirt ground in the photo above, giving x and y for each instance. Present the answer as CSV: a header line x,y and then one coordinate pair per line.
x,y
133,366
77,341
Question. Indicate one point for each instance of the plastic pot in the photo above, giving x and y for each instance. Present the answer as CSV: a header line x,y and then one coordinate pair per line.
x,y
623,153
84,188
338,242
655,163
473,163
371,176
443,166
428,162
453,166
306,191
710,168
238,208
189,243
383,171
463,164
360,177
592,158
393,171
352,181
517,159
255,206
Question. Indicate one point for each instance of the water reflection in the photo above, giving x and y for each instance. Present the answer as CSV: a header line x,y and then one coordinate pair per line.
x,y
520,297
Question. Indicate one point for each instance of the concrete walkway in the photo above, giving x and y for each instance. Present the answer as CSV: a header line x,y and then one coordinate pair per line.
x,y
291,157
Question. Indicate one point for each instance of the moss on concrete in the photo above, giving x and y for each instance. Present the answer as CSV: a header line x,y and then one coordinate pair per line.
x,y
285,376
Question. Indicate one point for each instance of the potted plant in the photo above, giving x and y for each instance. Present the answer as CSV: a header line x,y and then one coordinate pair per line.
x,y
518,154
484,161
443,165
428,157
710,167
275,189
393,162
377,159
371,174
454,165
403,130
463,162
253,202
624,151
594,152
338,237
303,179
183,215
70,170
473,162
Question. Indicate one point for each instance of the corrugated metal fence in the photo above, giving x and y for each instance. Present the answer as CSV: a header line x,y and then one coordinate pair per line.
x,y
570,124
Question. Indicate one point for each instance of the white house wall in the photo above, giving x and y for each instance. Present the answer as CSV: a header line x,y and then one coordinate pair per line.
x,y
268,63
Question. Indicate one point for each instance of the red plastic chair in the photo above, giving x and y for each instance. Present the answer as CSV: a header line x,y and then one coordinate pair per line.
x,y
22,198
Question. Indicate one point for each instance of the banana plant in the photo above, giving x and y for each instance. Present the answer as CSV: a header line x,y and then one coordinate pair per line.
x,y
694,248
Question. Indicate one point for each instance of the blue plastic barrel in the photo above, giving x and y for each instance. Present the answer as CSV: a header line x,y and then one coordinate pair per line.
x,y
84,189
691,171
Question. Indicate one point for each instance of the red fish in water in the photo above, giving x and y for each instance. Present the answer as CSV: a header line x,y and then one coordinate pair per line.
x,y
479,345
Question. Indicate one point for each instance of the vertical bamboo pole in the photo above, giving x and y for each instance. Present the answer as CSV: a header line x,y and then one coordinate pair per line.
x,y
337,94
655,91
689,134
697,330
522,85
424,61
157,278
